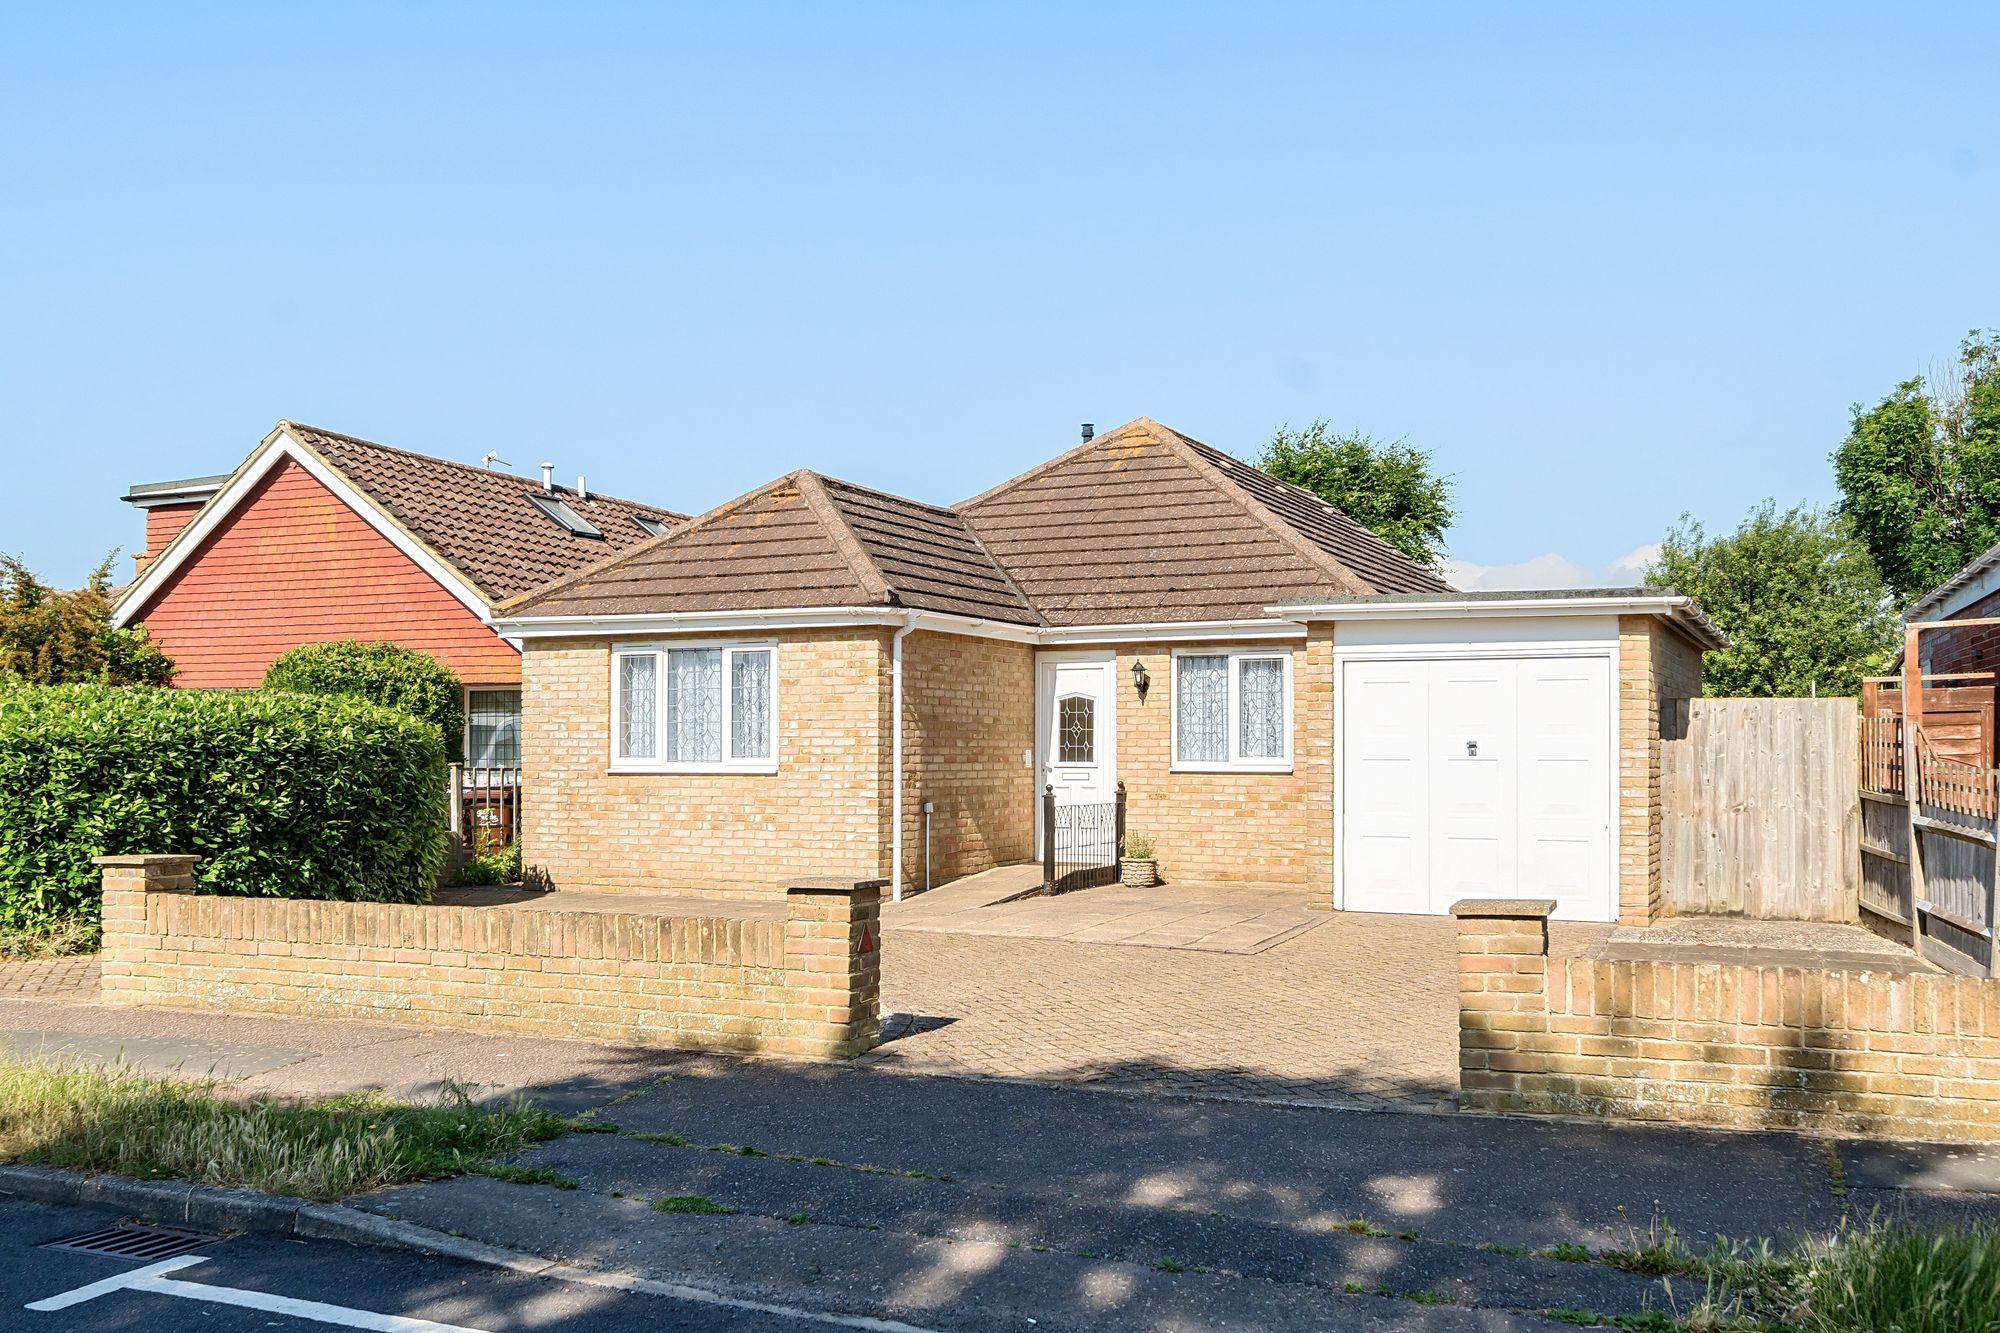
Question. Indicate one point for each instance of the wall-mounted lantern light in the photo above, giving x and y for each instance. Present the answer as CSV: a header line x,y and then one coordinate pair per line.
x,y
1140,680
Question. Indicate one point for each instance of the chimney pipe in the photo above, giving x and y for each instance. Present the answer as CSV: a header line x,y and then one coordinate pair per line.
x,y
582,492
1089,432
549,478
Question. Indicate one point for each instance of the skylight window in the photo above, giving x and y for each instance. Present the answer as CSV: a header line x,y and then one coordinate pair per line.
x,y
556,509
652,527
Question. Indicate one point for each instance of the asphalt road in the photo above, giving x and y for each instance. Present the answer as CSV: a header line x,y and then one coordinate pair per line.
x,y
366,1282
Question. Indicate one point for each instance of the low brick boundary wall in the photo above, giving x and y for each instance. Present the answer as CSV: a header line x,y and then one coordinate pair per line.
x,y
1892,1055
809,985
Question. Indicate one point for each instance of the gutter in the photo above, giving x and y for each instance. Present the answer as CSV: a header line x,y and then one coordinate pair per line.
x,y
896,756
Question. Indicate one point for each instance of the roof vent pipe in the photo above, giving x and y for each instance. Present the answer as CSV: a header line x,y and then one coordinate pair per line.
x,y
1089,432
549,477
582,492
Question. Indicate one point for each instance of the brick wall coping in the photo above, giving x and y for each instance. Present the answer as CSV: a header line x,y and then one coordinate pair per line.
x,y
146,861
1531,909
835,884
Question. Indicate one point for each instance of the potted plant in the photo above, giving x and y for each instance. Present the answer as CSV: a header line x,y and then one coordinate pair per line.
x,y
1136,867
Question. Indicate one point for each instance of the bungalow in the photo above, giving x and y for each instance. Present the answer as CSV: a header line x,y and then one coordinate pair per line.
x,y
321,536
820,678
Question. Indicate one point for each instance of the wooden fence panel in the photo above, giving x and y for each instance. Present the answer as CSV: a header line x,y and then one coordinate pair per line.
x,y
1885,859
1762,810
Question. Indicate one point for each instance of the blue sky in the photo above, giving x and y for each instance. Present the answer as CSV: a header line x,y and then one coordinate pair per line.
x,y
1606,262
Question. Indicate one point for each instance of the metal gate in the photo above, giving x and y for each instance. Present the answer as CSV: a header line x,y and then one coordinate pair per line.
x,y
1081,844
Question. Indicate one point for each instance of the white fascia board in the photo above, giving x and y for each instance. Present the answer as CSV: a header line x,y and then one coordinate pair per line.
x,y
1984,584
1677,608
1473,607
1170,631
276,447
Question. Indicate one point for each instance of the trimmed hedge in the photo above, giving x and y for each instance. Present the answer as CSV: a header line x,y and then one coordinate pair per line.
x,y
280,795
400,678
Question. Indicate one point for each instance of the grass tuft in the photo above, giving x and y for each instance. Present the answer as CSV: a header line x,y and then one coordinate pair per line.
x,y
689,1203
117,1121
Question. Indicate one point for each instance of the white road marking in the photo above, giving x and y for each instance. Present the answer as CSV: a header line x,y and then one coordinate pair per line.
x,y
152,1279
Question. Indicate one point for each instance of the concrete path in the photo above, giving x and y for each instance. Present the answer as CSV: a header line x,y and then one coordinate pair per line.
x,y
1212,918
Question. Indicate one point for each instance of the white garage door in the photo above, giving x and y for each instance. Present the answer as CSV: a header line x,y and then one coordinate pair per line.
x,y
1477,778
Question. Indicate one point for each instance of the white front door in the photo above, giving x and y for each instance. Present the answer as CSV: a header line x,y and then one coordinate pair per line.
x,y
1476,778
1076,726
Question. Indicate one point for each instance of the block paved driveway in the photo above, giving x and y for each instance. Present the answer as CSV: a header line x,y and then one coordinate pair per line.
x,y
1358,1010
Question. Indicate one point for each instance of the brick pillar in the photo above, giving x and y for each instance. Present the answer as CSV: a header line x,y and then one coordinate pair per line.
x,y
127,938
833,967
1503,961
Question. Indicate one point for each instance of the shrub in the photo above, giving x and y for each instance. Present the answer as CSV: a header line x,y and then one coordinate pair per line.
x,y
501,865
283,795
382,673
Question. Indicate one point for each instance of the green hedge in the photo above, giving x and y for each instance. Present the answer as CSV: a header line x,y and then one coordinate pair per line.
x,y
282,795
399,678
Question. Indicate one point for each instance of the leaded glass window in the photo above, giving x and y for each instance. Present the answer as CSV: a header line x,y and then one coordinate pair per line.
x,y
1260,727
1076,730
694,706
1233,710
638,706
750,704
1201,708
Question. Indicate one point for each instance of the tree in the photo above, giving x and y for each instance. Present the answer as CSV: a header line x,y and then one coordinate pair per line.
x,y
1919,472
50,637
1798,594
1387,488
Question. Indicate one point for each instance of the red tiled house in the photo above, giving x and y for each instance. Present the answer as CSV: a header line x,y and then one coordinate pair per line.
x,y
820,678
1961,667
320,536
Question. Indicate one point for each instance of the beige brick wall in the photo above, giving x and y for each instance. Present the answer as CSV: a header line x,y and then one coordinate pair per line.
x,y
1261,827
1657,665
968,717
725,834
1837,1052
808,985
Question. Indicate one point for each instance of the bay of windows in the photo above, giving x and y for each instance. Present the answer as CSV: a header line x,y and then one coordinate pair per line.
x,y
1233,710
694,706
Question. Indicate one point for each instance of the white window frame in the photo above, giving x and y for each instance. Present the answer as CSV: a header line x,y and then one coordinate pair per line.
x,y
1235,763
658,650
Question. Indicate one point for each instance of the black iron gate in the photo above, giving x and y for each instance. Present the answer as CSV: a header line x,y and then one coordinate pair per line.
x,y
1081,844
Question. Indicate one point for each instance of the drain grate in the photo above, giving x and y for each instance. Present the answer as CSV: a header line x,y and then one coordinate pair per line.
x,y
133,1241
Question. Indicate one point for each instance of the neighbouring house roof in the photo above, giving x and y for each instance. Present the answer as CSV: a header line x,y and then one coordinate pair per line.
x,y
802,541
478,523
188,490
1143,524
1959,591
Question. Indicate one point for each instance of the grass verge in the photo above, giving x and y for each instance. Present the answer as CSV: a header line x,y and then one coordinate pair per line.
x,y
61,940
98,1120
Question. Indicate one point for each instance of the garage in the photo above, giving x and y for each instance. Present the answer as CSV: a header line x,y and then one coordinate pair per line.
x,y
1477,771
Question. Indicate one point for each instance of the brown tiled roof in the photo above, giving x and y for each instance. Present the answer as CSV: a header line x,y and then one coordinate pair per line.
x,y
927,555
479,521
801,541
1143,524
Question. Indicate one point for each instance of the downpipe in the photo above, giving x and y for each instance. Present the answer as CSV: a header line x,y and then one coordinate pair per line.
x,y
896,757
